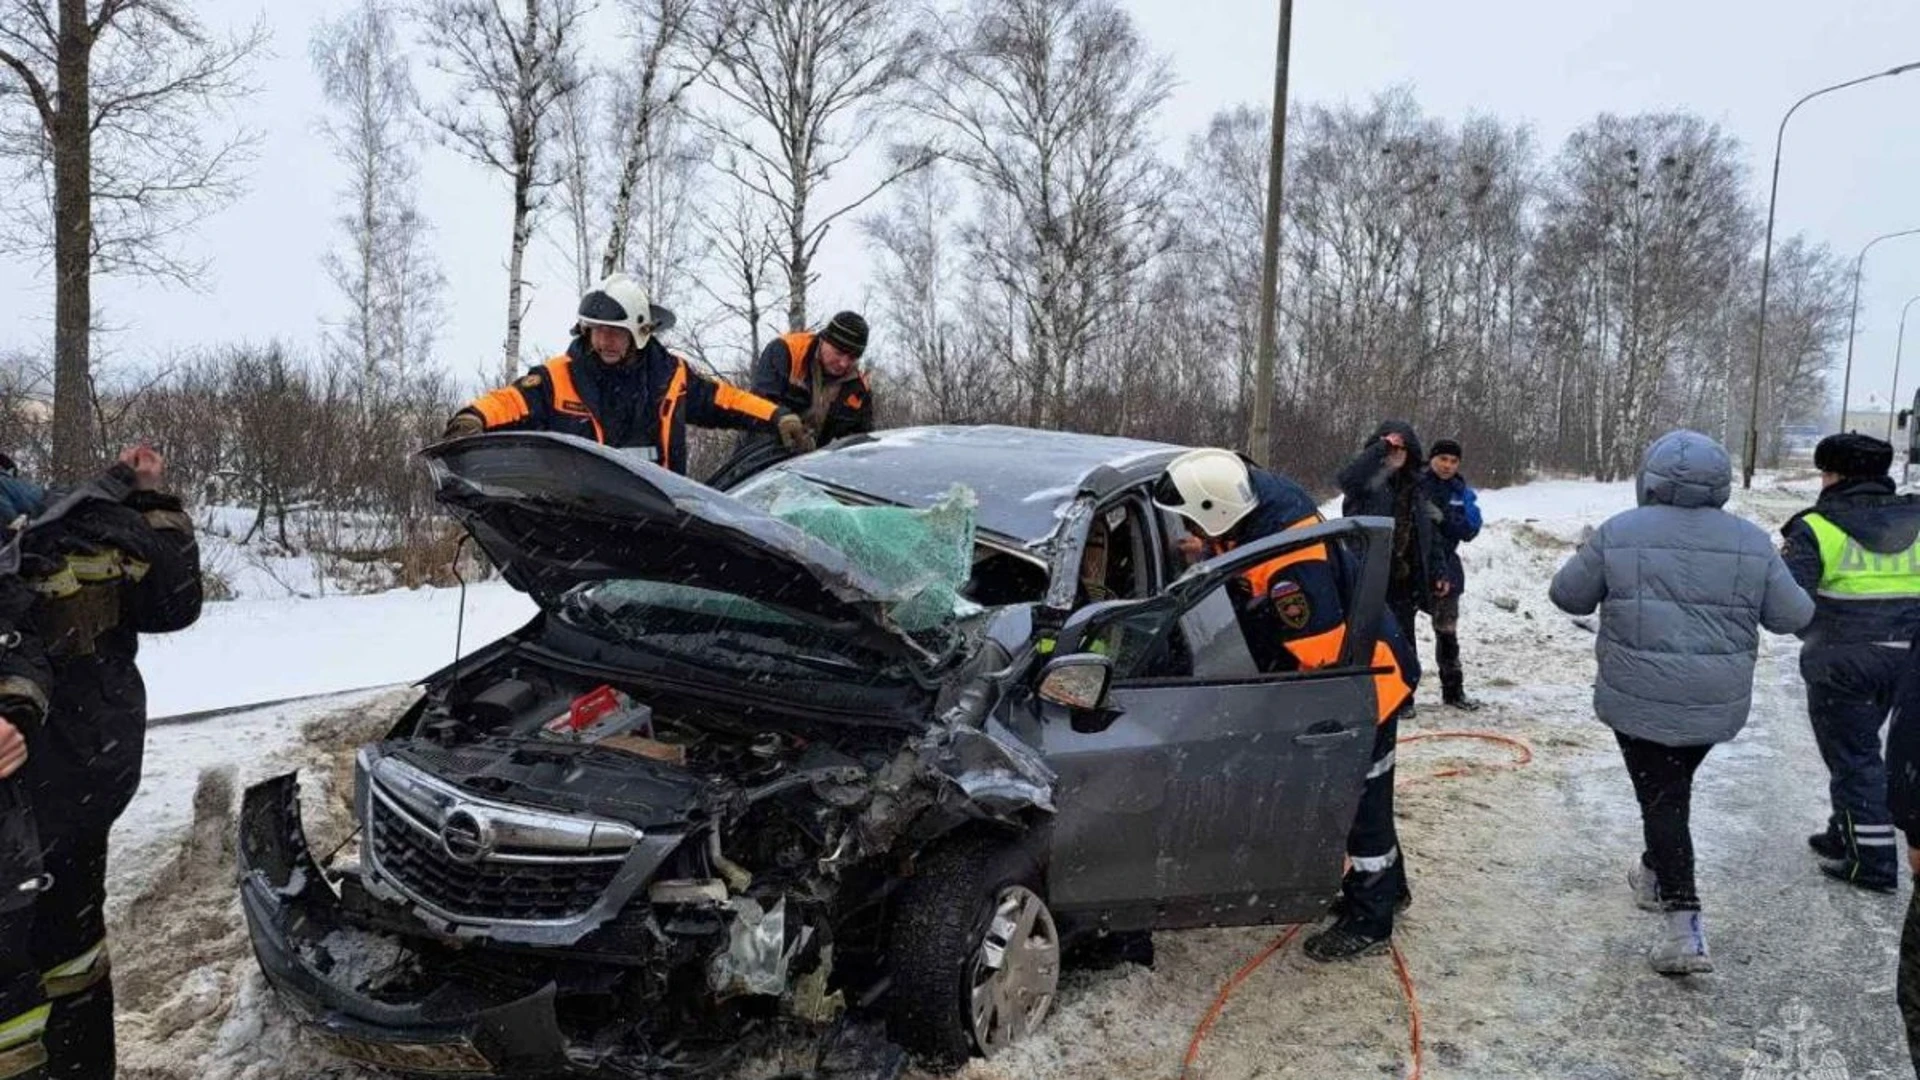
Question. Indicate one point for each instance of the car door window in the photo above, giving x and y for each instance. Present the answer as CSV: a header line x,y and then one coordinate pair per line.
x,y
1203,632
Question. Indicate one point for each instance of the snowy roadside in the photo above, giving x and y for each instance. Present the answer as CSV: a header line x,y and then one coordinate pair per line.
x,y
244,651
1523,941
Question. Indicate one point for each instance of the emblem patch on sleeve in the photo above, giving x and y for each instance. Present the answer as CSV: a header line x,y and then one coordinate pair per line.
x,y
530,382
1290,604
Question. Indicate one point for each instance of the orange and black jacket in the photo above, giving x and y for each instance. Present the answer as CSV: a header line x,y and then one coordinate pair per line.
x,y
789,371
1293,603
645,403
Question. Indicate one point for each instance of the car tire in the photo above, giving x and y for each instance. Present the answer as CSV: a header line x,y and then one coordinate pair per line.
x,y
971,926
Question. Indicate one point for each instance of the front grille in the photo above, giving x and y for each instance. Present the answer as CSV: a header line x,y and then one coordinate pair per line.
x,y
519,887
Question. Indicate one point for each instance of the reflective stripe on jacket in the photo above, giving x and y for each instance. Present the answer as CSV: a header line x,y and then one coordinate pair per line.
x,y
1849,571
561,396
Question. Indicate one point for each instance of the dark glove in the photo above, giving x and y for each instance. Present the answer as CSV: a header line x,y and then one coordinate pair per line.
x,y
793,432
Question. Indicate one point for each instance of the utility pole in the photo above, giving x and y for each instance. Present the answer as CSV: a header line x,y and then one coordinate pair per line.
x,y
1259,438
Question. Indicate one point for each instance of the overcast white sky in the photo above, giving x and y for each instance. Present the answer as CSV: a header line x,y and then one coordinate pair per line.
x,y
1851,162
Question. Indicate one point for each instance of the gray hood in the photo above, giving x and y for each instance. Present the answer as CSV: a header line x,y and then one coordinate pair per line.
x,y
1686,469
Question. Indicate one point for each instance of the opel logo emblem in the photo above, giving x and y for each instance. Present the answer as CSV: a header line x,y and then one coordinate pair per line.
x,y
465,836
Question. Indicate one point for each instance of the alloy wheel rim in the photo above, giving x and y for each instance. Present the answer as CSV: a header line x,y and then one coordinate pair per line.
x,y
1015,970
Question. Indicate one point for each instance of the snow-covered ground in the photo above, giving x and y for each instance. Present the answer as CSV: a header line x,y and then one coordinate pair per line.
x,y
1523,942
243,651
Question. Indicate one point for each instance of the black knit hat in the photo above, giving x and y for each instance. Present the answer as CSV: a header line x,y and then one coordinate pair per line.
x,y
1853,454
848,331
1445,448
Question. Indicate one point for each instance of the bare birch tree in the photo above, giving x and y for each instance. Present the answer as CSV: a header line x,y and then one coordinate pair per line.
x,y
745,250
382,267
511,71
811,78
1048,106
103,112
674,44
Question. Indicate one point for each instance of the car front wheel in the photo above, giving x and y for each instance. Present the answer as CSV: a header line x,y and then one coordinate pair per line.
x,y
976,953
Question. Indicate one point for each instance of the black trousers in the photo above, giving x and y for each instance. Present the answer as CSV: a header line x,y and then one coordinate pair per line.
x,y
69,948
1663,782
22,998
1850,691
1377,877
1446,646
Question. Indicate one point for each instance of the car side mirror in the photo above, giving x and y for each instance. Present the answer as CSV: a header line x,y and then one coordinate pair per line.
x,y
1078,683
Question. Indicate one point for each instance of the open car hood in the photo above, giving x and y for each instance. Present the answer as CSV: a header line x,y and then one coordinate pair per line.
x,y
555,511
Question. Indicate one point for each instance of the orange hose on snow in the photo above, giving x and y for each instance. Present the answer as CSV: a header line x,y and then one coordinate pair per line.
x,y
1523,755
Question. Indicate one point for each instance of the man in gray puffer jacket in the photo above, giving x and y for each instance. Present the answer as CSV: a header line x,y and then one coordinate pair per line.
x,y
1683,588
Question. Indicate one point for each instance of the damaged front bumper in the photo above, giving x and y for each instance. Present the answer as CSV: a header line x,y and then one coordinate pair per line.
x,y
454,1029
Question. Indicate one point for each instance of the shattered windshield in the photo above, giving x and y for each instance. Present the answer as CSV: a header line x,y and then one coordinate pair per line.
x,y
923,557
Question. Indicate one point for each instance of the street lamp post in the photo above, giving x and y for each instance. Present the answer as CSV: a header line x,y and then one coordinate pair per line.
x,y
1846,379
1900,344
1766,260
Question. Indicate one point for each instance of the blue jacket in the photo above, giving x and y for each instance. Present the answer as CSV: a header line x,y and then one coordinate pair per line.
x,y
1883,522
1456,518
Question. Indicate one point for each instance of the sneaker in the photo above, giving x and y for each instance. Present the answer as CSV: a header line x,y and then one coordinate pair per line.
x,y
1645,886
1463,703
1828,845
1341,942
1858,876
1682,947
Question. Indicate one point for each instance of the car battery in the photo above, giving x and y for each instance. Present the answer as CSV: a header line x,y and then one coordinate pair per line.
x,y
599,714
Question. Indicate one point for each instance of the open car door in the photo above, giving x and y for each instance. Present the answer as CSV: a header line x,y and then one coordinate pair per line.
x,y
1206,792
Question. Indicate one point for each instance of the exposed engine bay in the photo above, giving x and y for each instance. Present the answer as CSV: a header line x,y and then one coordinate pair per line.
x,y
666,876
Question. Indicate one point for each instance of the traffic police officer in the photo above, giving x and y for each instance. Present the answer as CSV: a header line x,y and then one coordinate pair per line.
x,y
1857,550
1294,608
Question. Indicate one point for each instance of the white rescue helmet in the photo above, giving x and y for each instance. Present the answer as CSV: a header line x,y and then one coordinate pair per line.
x,y
1210,488
620,300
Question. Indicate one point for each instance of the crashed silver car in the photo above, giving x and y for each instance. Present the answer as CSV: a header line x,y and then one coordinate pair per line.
x,y
870,742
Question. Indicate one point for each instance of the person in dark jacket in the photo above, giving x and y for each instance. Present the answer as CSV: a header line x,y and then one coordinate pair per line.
x,y
110,560
1455,513
817,377
618,385
24,682
1294,611
1858,551
1385,481
1683,589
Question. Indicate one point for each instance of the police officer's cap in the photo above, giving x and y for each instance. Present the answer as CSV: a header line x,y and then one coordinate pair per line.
x,y
1853,454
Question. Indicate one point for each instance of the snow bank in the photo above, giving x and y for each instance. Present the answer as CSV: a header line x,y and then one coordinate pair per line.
x,y
244,651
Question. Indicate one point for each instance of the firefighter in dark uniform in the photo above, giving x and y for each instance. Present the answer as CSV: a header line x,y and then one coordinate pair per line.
x,y
109,560
1857,550
1294,611
618,385
24,679
818,377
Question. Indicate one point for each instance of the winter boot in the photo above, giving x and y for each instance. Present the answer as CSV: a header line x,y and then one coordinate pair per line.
x,y
1828,845
1682,947
1645,886
1453,689
1861,876
1342,941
